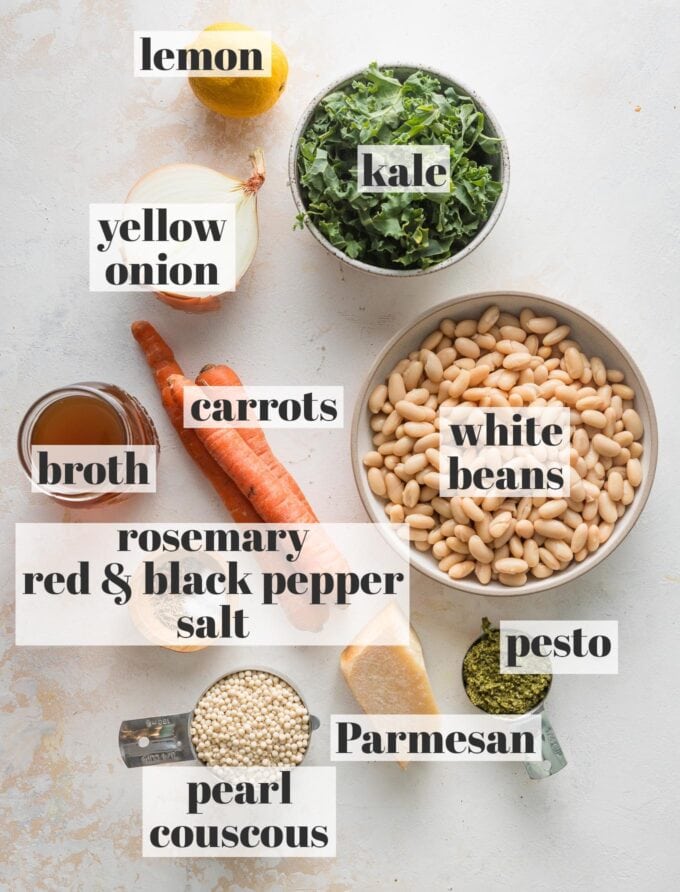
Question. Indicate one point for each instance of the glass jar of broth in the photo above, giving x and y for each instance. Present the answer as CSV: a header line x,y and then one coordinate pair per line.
x,y
86,414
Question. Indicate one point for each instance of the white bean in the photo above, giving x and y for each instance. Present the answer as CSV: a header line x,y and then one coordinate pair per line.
x,y
376,481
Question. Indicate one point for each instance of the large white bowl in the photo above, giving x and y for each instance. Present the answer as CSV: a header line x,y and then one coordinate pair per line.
x,y
595,341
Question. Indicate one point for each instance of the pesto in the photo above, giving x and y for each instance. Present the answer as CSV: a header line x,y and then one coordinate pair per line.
x,y
493,691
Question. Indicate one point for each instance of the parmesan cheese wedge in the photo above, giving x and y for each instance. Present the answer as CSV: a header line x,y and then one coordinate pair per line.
x,y
392,679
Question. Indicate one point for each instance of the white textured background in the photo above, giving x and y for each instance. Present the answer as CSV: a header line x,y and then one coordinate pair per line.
x,y
587,95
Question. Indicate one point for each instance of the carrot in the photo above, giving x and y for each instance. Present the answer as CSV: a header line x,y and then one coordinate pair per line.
x,y
272,497
163,364
224,376
233,499
158,354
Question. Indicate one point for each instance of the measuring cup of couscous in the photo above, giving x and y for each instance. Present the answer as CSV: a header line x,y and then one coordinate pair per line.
x,y
502,693
247,718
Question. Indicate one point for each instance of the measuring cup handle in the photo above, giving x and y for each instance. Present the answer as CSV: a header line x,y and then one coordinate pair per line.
x,y
551,752
153,741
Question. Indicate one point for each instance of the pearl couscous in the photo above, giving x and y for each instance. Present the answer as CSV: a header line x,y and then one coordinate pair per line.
x,y
250,718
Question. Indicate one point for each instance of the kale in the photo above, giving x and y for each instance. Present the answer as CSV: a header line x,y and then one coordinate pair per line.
x,y
396,230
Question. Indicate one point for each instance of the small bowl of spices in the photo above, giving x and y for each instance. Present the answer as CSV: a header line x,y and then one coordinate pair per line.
x,y
248,718
509,694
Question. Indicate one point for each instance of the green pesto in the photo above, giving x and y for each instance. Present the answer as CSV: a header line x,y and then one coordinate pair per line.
x,y
493,691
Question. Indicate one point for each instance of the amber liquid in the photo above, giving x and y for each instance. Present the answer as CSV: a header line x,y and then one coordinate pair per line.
x,y
78,420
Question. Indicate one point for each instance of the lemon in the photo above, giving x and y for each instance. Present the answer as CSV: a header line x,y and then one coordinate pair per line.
x,y
242,97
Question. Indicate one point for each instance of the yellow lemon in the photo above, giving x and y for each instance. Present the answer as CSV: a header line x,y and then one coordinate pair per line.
x,y
242,97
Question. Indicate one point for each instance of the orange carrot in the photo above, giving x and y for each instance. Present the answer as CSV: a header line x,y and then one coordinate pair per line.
x,y
272,498
163,364
158,354
224,376
233,499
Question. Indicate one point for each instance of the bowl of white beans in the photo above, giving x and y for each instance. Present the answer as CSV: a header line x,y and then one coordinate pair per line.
x,y
505,349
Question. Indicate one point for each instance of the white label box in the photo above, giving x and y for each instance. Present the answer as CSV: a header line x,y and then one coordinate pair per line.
x,y
195,812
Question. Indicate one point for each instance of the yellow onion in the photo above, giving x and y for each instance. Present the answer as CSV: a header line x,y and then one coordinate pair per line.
x,y
196,184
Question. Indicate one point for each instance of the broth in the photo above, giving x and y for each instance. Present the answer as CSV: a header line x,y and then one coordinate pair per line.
x,y
79,419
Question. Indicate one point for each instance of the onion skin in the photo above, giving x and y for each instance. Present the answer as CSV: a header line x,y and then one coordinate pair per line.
x,y
190,304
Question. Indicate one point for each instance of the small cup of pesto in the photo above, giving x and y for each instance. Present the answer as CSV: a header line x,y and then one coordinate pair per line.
x,y
507,694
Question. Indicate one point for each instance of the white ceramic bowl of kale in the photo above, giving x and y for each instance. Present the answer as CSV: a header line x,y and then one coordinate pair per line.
x,y
394,234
